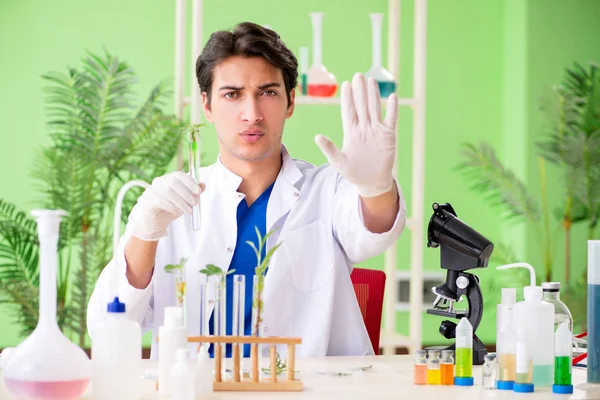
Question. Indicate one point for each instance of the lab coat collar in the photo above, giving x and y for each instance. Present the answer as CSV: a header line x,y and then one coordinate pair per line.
x,y
289,171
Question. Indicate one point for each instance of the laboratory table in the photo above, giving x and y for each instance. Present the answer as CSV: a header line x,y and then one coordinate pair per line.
x,y
367,377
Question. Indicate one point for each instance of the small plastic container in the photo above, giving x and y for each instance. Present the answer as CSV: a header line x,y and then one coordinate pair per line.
x,y
116,356
524,367
182,377
203,377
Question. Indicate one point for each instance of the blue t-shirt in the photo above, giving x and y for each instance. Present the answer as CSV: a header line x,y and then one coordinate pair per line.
x,y
244,260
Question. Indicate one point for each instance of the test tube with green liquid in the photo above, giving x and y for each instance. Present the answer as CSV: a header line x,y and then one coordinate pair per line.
x,y
464,353
194,166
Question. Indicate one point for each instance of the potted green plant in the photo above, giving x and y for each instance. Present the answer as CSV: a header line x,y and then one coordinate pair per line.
x,y
99,139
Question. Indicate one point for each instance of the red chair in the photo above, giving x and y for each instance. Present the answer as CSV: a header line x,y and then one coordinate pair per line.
x,y
369,286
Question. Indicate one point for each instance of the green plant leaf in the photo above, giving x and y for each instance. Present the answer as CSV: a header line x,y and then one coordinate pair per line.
x,y
497,184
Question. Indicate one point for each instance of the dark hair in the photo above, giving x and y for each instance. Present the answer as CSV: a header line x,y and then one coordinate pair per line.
x,y
246,40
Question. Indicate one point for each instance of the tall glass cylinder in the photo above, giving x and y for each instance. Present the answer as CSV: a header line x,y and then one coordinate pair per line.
x,y
203,294
593,312
238,320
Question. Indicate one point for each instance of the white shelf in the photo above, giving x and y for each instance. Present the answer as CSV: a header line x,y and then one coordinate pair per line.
x,y
333,101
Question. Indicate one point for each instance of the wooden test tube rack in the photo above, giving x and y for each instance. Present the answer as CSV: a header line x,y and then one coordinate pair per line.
x,y
253,383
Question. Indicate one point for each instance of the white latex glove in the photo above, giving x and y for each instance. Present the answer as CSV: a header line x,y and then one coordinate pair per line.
x,y
169,197
369,149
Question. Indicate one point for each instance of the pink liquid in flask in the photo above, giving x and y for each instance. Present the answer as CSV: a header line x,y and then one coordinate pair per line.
x,y
50,390
322,89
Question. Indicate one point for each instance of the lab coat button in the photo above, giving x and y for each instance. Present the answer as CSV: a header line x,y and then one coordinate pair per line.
x,y
240,195
296,194
230,249
266,329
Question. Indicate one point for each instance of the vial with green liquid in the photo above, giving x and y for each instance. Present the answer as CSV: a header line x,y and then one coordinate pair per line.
x,y
464,353
563,350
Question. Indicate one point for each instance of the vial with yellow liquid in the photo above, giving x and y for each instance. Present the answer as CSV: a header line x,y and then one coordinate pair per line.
x,y
434,375
506,348
464,353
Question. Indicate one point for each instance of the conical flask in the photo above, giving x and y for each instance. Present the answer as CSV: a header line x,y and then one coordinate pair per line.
x,y
47,365
385,80
321,83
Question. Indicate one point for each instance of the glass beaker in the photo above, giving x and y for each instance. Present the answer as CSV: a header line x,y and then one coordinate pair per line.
x,y
47,365
321,83
385,80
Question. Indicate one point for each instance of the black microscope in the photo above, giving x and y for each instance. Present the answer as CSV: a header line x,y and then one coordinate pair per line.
x,y
461,249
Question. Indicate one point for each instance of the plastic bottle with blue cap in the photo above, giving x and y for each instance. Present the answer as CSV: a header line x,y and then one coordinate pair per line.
x,y
537,319
116,356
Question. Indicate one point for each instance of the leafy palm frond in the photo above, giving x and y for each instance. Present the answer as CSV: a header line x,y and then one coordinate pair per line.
x,y
498,184
21,301
19,247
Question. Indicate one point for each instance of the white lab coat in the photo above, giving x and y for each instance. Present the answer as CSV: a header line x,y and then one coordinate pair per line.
x,y
308,292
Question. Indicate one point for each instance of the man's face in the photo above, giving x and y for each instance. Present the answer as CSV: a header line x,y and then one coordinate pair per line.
x,y
248,107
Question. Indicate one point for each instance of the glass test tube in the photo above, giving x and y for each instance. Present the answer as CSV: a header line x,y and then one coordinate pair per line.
x,y
593,312
420,372
203,292
219,316
257,303
239,307
447,367
434,376
194,166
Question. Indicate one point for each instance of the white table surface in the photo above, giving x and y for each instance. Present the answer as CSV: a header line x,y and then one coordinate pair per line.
x,y
390,377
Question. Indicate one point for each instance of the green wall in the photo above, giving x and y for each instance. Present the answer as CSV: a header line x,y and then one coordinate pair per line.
x,y
486,65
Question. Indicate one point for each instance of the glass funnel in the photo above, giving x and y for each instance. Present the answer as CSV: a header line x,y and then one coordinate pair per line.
x,y
385,80
321,83
47,365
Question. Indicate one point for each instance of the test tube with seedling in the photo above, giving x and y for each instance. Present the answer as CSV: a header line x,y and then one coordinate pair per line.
x,y
194,166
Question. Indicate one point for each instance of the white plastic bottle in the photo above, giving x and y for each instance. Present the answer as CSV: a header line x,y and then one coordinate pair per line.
x,y
537,319
182,376
172,335
116,356
204,375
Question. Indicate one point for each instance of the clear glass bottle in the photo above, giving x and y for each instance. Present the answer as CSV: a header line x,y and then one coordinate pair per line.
x,y
420,367
561,311
489,372
447,367
434,376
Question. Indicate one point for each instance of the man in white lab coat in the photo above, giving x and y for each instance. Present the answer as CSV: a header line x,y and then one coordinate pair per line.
x,y
327,218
